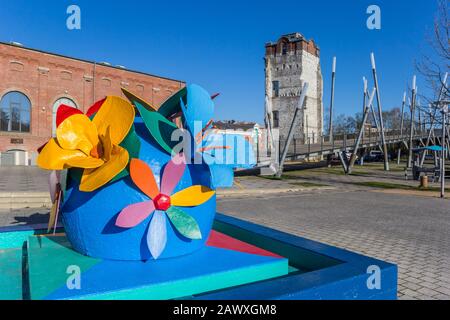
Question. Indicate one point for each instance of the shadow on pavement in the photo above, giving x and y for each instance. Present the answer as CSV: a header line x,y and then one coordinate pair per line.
x,y
34,218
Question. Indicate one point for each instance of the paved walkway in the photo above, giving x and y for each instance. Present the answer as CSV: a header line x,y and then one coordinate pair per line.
x,y
253,185
29,216
27,179
410,231
410,228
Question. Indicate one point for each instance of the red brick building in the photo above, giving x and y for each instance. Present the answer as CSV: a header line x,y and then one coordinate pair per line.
x,y
34,83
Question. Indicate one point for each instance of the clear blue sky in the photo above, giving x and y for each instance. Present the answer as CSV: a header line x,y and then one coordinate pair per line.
x,y
220,44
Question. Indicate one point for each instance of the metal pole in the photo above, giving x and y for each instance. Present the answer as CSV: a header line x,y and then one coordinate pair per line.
x,y
411,127
321,145
401,128
444,115
269,122
333,78
274,159
307,127
433,118
419,117
364,99
373,114
291,129
380,113
361,132
309,146
364,94
377,138
345,138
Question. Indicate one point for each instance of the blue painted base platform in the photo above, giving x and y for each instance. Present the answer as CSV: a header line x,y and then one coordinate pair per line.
x,y
316,270
51,260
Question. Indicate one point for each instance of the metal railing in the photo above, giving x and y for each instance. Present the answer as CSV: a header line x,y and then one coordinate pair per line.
x,y
322,144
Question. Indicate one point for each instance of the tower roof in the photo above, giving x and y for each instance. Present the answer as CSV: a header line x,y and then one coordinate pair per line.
x,y
293,37
295,41
290,37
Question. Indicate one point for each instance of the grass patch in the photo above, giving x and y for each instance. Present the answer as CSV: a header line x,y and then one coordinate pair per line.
x,y
380,166
387,185
340,172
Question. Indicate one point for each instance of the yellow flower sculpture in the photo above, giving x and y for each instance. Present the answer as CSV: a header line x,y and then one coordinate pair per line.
x,y
91,144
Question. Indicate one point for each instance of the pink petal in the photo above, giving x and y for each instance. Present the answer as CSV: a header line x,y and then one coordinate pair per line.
x,y
53,180
172,174
134,214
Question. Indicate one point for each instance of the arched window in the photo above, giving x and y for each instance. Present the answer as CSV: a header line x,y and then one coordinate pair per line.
x,y
15,109
66,101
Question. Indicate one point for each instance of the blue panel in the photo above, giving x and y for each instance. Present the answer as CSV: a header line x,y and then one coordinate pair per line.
x,y
207,269
222,176
199,109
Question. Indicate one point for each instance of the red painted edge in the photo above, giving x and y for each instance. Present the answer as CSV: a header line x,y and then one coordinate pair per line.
x,y
64,112
41,147
95,107
220,240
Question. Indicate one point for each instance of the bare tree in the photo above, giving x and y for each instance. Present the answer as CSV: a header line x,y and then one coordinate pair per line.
x,y
435,63
343,123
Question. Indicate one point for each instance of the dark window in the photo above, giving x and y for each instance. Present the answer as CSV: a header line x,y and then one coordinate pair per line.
x,y
276,88
15,110
276,119
284,49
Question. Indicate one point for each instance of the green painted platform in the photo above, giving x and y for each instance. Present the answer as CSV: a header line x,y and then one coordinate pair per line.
x,y
206,270
11,274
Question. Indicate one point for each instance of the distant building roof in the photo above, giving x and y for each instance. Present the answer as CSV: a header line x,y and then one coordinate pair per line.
x,y
233,125
105,64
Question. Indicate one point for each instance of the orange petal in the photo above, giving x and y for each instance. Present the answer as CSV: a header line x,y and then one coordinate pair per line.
x,y
192,196
143,178
77,132
117,114
93,179
53,157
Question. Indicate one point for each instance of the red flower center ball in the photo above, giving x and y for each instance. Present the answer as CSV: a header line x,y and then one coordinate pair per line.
x,y
162,202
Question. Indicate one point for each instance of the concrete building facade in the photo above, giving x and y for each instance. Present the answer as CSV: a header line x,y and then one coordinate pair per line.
x,y
33,84
289,63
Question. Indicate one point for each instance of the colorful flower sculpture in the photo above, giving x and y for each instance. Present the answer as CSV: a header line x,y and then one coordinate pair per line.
x,y
116,172
93,145
162,202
